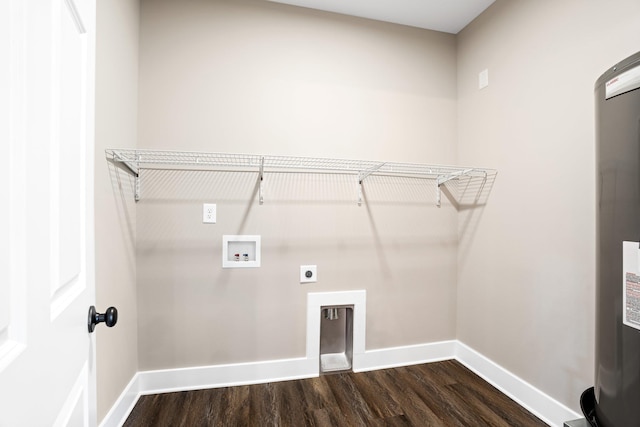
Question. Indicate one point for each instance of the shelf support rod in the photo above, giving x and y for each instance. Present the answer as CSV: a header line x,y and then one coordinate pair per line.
x,y
136,194
116,157
134,171
136,174
136,178
261,195
444,178
362,175
134,168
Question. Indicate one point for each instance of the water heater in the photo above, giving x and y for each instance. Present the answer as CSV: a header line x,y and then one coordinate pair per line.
x,y
614,401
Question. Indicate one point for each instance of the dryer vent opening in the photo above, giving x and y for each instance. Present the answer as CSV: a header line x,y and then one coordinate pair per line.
x,y
336,339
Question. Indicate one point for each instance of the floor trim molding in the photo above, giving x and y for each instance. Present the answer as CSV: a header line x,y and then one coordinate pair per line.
x,y
215,376
394,357
161,381
534,400
123,406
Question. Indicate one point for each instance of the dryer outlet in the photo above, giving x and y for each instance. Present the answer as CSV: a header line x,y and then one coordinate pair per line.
x,y
308,273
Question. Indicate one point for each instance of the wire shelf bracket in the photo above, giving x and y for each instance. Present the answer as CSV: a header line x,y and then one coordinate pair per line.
x,y
261,195
135,161
445,178
130,164
362,175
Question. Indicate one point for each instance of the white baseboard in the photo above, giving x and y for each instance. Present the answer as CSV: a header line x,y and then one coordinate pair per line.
x,y
404,356
236,374
149,382
119,412
203,377
535,401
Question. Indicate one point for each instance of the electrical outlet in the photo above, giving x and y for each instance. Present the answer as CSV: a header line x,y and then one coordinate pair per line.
x,y
483,79
308,273
209,213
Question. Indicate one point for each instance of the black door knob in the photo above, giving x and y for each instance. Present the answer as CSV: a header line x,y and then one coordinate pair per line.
x,y
110,317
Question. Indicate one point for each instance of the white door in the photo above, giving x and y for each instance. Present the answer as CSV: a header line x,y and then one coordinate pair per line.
x,y
46,212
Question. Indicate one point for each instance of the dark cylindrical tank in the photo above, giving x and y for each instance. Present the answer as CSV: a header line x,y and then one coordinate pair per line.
x,y
617,375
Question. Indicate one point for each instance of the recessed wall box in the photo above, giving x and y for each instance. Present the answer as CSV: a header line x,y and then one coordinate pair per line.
x,y
240,251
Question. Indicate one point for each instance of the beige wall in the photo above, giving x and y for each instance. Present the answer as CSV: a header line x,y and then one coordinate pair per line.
x,y
116,126
257,77
526,267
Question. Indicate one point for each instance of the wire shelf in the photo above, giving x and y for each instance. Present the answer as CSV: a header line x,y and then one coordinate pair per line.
x,y
136,160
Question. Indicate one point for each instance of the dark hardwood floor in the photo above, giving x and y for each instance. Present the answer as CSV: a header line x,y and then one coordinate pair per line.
x,y
435,394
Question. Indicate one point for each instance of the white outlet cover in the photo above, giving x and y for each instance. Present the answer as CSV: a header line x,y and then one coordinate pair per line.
x,y
483,79
313,269
209,213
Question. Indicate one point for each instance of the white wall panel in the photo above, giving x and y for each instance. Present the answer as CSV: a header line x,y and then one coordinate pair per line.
x,y
12,182
5,108
67,166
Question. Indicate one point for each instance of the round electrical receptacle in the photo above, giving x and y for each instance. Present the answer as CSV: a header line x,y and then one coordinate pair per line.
x,y
308,274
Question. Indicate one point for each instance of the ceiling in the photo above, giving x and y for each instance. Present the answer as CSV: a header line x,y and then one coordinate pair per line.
x,y
449,16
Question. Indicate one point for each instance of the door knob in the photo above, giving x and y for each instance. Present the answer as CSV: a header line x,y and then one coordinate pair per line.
x,y
110,317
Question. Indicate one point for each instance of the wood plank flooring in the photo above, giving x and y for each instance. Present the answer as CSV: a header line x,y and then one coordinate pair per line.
x,y
441,394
